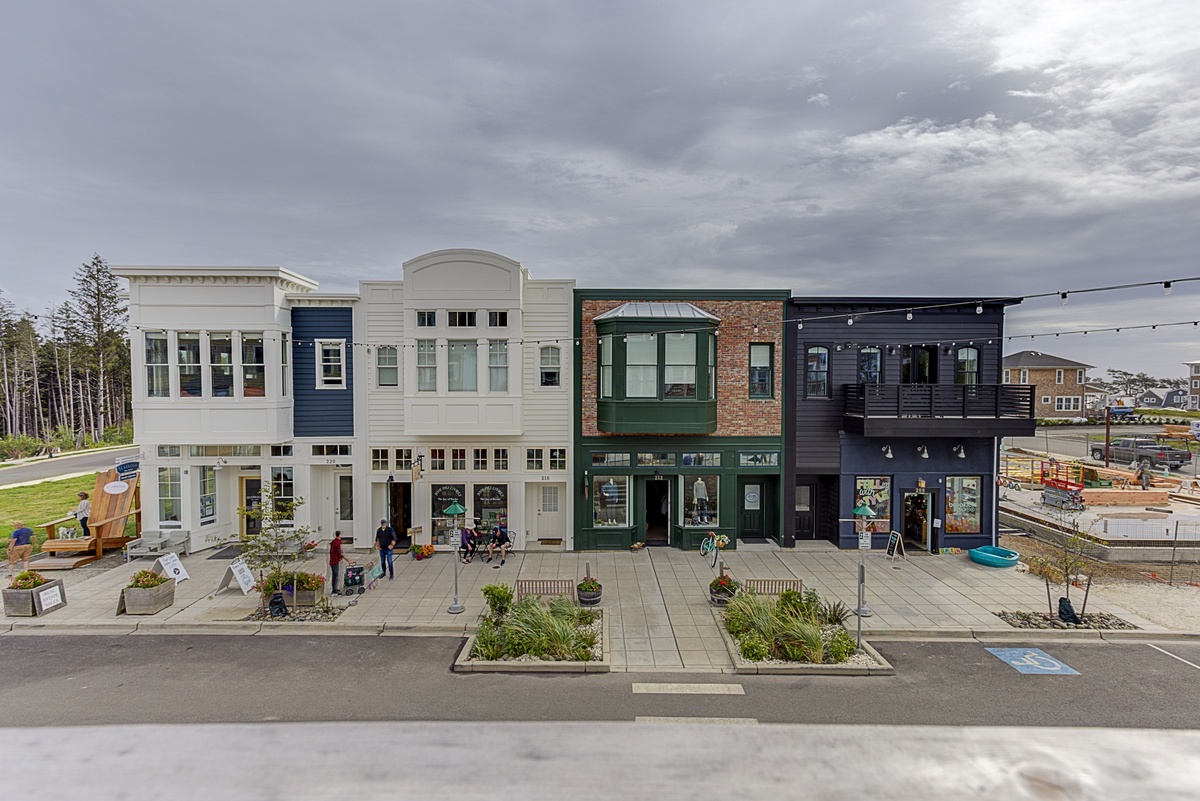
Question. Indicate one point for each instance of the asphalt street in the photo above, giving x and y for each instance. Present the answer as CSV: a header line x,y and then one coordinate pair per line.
x,y
1074,442
69,465
52,680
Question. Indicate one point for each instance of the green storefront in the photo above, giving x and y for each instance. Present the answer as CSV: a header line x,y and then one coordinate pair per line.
x,y
665,378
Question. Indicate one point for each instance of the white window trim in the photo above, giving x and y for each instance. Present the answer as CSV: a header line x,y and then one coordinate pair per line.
x,y
318,347
1058,376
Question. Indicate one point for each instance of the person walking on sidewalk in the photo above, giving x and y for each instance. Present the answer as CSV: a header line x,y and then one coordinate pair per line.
x,y
20,547
385,541
336,557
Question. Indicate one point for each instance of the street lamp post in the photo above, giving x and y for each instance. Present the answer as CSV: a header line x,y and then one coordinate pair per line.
x,y
861,513
455,510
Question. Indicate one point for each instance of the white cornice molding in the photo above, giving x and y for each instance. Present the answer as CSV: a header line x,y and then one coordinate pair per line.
x,y
193,275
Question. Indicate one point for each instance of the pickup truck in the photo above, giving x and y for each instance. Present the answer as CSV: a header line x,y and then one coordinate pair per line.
x,y
1142,451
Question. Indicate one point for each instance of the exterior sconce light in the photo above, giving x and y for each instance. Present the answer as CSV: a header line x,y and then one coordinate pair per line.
x,y
922,451
960,451
221,462
887,451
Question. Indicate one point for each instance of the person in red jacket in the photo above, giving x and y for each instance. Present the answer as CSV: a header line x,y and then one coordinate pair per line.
x,y
336,557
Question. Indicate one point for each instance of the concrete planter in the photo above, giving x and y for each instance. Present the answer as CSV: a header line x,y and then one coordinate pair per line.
x,y
37,601
148,600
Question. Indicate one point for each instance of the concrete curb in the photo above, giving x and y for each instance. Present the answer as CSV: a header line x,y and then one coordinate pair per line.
x,y
1143,635
309,627
741,666
464,664
1041,635
206,627
92,628
445,629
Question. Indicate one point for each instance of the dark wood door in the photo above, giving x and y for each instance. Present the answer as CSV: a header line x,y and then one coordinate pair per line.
x,y
751,504
251,501
806,511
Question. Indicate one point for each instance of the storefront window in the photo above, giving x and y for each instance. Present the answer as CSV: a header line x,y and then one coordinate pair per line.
x,y
170,497
442,496
962,505
611,504
611,459
491,505
656,460
755,459
208,495
700,501
711,459
876,493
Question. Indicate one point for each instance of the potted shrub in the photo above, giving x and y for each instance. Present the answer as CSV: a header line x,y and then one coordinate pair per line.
x,y
19,598
722,588
147,593
422,551
305,588
589,591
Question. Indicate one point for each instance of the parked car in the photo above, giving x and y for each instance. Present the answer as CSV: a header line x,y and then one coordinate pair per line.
x,y
1142,451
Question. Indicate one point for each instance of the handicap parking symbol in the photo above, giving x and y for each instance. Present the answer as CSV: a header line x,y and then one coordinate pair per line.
x,y
1032,660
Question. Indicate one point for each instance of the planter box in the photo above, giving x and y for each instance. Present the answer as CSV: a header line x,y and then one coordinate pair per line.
x,y
147,600
718,598
302,597
587,598
38,601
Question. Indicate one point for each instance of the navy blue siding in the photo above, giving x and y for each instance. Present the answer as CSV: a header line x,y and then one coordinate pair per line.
x,y
321,412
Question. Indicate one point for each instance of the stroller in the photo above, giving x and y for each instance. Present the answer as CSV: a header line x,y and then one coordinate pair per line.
x,y
360,578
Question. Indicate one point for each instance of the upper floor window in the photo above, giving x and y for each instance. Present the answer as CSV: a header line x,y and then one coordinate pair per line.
x,y
1007,376
1024,376
533,458
158,375
188,343
387,366
870,366
458,458
331,367
817,384
403,458
641,366
1079,376
500,458
606,366
461,319
437,458
967,366
558,458
461,371
220,360
379,459
254,368
481,458
762,368
426,319
548,358
497,366
426,365
679,366
498,319
1058,376
286,374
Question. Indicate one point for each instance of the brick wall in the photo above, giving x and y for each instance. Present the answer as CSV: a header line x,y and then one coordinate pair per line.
x,y
737,414
1043,381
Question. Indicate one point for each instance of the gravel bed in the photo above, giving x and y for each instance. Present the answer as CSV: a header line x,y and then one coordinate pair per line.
x,y
297,614
1044,620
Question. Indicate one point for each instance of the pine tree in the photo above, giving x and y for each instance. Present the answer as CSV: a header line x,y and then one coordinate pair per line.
x,y
102,318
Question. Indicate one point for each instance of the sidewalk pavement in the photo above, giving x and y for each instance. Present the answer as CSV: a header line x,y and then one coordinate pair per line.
x,y
656,599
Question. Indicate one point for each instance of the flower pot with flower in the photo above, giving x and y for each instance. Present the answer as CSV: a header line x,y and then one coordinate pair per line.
x,y
304,588
589,591
30,593
147,593
722,588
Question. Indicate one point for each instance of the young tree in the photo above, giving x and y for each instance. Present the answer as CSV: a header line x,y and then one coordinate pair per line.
x,y
278,543
102,318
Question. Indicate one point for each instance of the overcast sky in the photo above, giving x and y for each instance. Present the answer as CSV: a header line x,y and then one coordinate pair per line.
x,y
980,148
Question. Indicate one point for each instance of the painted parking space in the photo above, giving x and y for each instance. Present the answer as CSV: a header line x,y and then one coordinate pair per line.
x,y
1032,661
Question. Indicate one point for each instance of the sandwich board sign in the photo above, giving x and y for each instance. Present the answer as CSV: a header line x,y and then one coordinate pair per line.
x,y
895,546
237,571
170,566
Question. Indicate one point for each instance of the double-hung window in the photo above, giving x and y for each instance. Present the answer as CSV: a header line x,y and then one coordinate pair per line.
x,y
498,366
189,364
158,369
426,365
220,360
817,384
606,366
387,366
641,366
967,366
331,363
208,495
870,365
254,371
170,497
762,364
679,366
549,365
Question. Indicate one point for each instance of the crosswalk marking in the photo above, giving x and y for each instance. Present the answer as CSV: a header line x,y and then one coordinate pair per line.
x,y
706,721
667,688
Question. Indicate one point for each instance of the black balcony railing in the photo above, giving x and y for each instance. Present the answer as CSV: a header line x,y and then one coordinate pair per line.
x,y
928,401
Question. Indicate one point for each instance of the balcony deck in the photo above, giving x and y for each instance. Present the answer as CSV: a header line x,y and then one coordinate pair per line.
x,y
952,410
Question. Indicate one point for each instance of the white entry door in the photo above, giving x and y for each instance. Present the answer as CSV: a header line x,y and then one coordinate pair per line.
x,y
343,515
551,516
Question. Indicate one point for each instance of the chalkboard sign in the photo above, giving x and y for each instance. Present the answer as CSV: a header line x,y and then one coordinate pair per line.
x,y
895,546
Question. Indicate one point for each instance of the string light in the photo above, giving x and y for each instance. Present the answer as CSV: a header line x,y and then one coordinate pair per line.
x,y
1166,287
1063,298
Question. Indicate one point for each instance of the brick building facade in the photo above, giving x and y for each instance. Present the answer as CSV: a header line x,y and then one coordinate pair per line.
x,y
1060,385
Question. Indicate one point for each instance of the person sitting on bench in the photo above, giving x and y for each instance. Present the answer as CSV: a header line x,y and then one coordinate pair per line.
x,y
499,540
469,544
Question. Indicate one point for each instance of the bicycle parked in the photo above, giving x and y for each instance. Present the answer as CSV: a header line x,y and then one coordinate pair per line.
x,y
711,545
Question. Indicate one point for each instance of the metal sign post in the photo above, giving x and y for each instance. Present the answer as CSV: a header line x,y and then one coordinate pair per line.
x,y
861,512
454,510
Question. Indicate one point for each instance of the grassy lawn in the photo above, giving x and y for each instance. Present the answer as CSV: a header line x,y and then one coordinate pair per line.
x,y
41,503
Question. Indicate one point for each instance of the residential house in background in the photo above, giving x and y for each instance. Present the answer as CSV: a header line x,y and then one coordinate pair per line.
x,y
1059,384
1193,377
681,400
901,412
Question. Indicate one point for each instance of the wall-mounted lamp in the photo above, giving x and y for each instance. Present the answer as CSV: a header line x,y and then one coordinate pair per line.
x,y
837,348
221,462
960,451
756,329
887,451
922,451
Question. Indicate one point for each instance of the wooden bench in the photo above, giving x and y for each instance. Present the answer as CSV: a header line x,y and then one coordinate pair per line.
x,y
772,586
545,588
